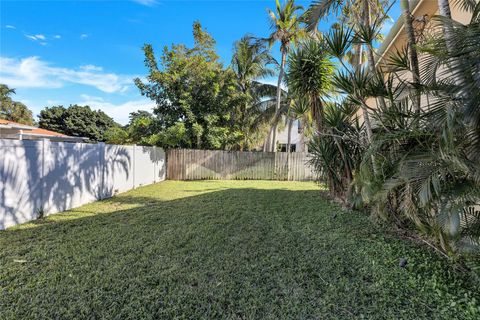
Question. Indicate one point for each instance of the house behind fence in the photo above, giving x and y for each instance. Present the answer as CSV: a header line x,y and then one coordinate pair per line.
x,y
40,177
186,164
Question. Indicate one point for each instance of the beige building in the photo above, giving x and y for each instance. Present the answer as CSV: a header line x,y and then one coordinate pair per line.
x,y
422,11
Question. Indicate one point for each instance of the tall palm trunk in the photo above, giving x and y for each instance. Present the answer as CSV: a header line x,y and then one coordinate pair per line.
x,y
444,8
279,101
412,51
301,136
289,143
370,56
289,138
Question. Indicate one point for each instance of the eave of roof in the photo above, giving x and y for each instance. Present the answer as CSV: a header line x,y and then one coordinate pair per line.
x,y
14,125
395,31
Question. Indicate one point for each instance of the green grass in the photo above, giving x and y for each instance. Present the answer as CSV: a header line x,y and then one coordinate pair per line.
x,y
228,249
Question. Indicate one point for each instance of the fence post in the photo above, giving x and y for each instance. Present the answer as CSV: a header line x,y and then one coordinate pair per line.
x,y
133,165
101,156
45,148
154,164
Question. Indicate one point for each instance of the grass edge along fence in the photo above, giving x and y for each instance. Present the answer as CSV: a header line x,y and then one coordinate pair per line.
x,y
193,164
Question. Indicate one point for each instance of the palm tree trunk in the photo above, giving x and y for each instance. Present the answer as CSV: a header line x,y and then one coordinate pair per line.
x,y
317,108
289,138
279,100
289,142
444,8
368,124
370,56
408,22
301,134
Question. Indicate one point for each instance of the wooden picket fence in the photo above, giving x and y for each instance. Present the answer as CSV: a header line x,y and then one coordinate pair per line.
x,y
189,164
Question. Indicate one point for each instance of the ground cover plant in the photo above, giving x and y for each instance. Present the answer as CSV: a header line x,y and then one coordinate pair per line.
x,y
223,249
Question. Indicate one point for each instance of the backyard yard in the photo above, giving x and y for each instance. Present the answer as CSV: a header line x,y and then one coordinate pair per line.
x,y
223,249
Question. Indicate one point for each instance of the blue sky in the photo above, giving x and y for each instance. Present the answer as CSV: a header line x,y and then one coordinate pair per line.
x,y
88,52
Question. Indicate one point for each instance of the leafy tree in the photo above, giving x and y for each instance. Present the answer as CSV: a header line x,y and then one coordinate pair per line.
x,y
78,121
193,92
116,135
139,114
140,130
13,110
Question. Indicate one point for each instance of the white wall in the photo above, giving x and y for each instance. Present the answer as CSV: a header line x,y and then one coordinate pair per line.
x,y
40,175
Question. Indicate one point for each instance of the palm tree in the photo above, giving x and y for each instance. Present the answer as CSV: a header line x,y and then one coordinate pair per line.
x,y
337,151
430,168
287,30
359,14
309,74
255,107
412,50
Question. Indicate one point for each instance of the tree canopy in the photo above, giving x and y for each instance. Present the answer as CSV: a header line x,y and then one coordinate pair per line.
x,y
194,93
13,110
77,121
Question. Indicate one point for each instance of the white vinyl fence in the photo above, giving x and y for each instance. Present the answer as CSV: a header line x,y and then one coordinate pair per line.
x,y
43,177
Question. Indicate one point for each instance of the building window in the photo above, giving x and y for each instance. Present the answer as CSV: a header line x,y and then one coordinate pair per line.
x,y
282,147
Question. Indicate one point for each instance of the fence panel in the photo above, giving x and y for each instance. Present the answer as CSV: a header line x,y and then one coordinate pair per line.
x,y
190,164
43,177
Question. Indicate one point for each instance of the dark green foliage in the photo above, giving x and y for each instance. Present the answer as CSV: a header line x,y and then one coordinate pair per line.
x,y
116,135
77,121
254,106
337,151
309,74
13,110
223,250
430,161
420,170
192,90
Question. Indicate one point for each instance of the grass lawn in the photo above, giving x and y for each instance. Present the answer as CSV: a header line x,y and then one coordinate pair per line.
x,y
226,249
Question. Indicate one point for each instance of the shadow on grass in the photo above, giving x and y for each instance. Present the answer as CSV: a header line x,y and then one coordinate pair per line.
x,y
237,253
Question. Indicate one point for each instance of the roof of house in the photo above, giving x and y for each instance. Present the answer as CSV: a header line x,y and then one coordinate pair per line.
x,y
395,30
30,129
14,125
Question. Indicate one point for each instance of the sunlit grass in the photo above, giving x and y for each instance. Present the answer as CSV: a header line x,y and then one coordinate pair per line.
x,y
222,249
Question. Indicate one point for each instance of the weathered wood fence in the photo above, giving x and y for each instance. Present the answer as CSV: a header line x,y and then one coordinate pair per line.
x,y
187,164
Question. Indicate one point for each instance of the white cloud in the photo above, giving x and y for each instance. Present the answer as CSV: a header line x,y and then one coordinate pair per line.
x,y
90,67
32,72
83,36
57,36
9,26
148,3
119,112
31,37
38,37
